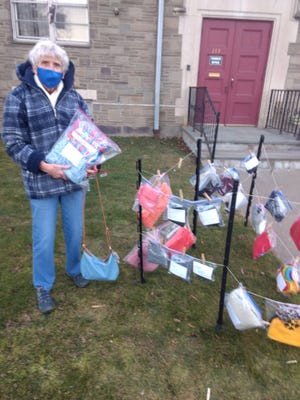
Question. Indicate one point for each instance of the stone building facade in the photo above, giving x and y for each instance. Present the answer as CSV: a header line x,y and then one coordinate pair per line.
x,y
117,72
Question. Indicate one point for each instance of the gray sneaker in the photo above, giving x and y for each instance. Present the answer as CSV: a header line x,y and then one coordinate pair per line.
x,y
44,301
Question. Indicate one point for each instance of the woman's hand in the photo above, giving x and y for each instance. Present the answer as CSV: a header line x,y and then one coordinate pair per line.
x,y
92,171
56,171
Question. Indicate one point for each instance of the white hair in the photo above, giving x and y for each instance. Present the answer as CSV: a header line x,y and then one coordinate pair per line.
x,y
46,47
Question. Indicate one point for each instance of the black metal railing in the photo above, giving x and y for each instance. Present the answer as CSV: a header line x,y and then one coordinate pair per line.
x,y
284,111
203,117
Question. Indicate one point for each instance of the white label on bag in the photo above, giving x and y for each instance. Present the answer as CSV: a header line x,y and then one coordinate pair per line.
x,y
251,163
71,154
280,282
205,271
178,269
176,214
209,217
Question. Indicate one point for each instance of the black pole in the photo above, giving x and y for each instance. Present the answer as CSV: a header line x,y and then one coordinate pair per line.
x,y
140,245
196,197
254,175
227,253
215,138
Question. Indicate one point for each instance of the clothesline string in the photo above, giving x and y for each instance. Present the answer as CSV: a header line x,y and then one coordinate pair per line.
x,y
257,196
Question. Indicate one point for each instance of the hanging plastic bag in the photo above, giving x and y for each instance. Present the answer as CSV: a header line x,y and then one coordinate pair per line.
x,y
150,217
181,266
81,145
157,253
278,205
204,269
209,181
175,237
243,310
250,163
295,232
263,243
287,280
151,194
227,181
209,212
258,218
182,239
177,211
134,256
240,201
275,308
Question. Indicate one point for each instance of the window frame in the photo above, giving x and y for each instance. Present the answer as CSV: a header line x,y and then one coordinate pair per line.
x,y
81,4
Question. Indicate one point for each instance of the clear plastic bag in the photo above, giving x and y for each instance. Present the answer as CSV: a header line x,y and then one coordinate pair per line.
x,y
181,265
241,199
287,279
250,163
278,205
209,181
295,232
258,218
157,253
209,212
152,194
177,211
243,310
227,181
81,146
133,257
263,243
204,269
175,237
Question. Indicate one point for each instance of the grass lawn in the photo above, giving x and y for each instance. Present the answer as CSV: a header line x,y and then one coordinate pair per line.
x,y
126,340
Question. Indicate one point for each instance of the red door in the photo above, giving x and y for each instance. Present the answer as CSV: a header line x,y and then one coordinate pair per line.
x,y
232,64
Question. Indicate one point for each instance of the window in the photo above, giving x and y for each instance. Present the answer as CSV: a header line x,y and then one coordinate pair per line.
x,y
64,21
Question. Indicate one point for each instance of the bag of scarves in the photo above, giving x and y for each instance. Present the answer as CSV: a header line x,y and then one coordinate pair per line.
x,y
263,243
81,145
161,191
278,205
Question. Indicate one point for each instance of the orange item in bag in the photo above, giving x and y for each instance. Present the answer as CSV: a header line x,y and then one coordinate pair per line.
x,y
149,217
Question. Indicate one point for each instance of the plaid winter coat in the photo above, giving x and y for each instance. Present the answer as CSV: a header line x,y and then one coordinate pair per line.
x,y
31,127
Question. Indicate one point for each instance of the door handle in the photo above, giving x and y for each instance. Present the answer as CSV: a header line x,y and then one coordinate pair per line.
x,y
231,82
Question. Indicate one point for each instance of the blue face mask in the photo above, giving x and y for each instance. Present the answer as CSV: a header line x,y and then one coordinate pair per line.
x,y
49,78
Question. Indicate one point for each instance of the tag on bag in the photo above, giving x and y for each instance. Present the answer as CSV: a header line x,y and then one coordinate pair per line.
x,y
181,266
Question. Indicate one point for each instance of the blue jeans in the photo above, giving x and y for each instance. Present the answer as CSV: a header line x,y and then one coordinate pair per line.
x,y
44,216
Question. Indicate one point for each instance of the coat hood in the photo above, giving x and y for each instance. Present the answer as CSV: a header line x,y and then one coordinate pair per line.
x,y
25,74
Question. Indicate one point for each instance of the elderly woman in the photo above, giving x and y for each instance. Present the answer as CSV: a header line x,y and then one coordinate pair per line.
x,y
35,114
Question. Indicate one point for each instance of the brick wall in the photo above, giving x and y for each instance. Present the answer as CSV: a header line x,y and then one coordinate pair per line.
x,y
117,72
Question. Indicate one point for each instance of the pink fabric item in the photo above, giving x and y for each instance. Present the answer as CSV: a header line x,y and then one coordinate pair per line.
x,y
295,232
149,218
262,245
148,196
133,258
182,240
